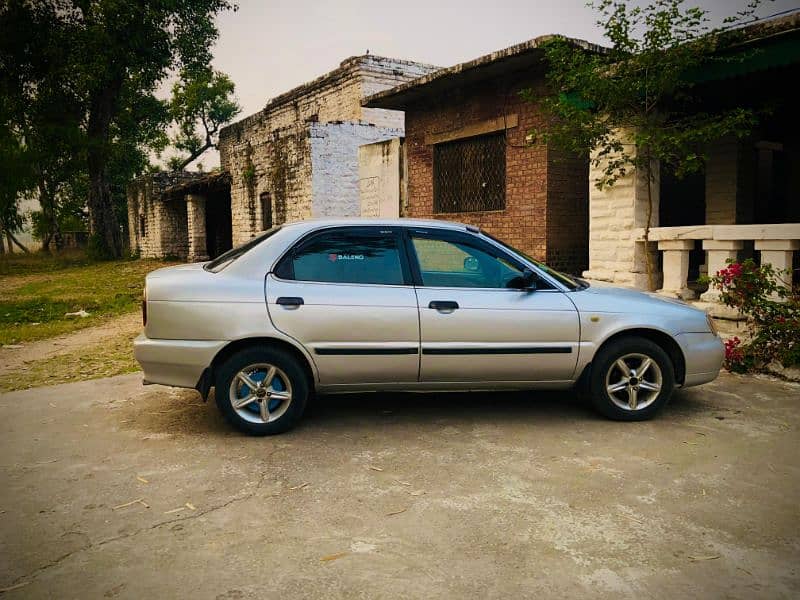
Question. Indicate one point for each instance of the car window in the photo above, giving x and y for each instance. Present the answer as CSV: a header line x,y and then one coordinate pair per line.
x,y
223,260
568,281
461,262
347,256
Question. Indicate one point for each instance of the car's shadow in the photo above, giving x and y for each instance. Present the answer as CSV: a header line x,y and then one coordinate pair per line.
x,y
356,411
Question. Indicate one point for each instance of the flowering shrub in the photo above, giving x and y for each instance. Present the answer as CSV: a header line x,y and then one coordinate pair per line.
x,y
772,309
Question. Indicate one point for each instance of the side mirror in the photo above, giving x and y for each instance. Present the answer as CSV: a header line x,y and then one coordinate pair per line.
x,y
528,280
525,282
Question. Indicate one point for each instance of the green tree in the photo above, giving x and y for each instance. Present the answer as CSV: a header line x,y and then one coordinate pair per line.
x,y
15,178
40,116
202,102
108,57
632,106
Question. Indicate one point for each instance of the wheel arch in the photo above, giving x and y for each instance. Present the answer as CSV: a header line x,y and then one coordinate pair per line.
x,y
664,341
207,378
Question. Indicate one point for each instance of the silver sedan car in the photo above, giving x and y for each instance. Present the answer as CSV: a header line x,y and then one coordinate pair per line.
x,y
330,306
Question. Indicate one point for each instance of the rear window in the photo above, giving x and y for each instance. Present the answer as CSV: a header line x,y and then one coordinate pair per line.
x,y
223,260
346,256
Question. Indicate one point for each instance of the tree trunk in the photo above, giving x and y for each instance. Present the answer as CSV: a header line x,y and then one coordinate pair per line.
x,y
648,256
11,238
2,243
105,235
50,212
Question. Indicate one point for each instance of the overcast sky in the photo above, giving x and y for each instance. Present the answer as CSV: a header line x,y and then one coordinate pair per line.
x,y
271,46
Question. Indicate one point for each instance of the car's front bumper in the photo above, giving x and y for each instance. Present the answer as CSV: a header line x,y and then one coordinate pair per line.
x,y
178,363
704,353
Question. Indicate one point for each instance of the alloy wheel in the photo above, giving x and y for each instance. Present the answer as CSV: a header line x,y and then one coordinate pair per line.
x,y
634,381
260,393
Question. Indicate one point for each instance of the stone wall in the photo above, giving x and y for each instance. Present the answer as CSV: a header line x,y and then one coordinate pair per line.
x,y
268,166
536,185
617,214
274,155
165,231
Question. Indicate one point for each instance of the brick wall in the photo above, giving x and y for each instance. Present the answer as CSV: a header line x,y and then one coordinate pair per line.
x,y
567,212
531,196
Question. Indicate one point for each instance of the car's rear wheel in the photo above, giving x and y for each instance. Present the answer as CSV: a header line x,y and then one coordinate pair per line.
x,y
632,379
262,391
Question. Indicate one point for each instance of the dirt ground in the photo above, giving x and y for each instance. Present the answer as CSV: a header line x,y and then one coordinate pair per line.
x,y
19,355
109,489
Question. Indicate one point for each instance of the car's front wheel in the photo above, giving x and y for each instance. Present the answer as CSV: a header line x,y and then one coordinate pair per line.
x,y
632,379
262,391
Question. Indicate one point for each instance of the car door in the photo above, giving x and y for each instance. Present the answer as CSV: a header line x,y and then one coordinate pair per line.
x,y
475,322
346,294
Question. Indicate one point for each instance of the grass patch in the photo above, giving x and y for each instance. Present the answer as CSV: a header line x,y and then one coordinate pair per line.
x,y
36,291
110,357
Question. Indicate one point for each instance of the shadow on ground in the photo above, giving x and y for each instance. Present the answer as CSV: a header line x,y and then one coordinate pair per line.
x,y
186,413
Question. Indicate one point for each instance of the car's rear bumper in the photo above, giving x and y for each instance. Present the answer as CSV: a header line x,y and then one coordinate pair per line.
x,y
178,363
704,353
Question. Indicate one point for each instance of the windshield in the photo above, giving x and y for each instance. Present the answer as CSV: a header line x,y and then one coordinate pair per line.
x,y
223,260
573,283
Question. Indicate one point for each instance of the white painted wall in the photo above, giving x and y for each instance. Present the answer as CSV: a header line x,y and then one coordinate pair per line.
x,y
335,168
380,181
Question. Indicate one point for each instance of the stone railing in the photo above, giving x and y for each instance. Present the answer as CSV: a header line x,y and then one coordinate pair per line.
x,y
775,242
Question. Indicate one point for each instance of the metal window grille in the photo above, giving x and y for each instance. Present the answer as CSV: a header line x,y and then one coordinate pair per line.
x,y
469,175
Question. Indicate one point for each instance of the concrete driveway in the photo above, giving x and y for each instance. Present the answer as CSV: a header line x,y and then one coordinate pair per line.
x,y
109,489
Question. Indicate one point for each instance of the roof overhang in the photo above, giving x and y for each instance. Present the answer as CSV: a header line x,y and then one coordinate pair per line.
x,y
522,57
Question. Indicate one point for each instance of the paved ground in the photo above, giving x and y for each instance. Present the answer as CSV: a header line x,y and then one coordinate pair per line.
x,y
400,496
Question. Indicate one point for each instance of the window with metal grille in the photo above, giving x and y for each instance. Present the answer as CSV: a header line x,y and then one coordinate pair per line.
x,y
469,175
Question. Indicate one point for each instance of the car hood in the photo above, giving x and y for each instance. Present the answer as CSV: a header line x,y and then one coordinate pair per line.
x,y
622,300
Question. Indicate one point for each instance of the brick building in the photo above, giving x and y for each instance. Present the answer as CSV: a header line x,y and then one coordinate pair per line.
x,y
471,156
295,159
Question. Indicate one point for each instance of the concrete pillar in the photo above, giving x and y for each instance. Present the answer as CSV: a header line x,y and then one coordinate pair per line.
x,y
778,253
675,255
718,253
196,222
616,216
721,183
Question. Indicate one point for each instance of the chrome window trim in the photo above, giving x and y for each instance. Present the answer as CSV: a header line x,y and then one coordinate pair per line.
x,y
349,283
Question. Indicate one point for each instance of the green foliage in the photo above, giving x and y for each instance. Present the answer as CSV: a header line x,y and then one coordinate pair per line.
x,y
202,102
632,104
79,80
772,308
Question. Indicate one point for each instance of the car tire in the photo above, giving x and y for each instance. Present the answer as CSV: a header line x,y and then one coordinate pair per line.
x,y
277,384
632,378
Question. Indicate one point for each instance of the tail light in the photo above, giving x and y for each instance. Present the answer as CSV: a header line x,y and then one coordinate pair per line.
x,y
144,308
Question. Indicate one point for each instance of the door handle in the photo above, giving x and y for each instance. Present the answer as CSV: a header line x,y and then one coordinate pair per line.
x,y
443,305
289,301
